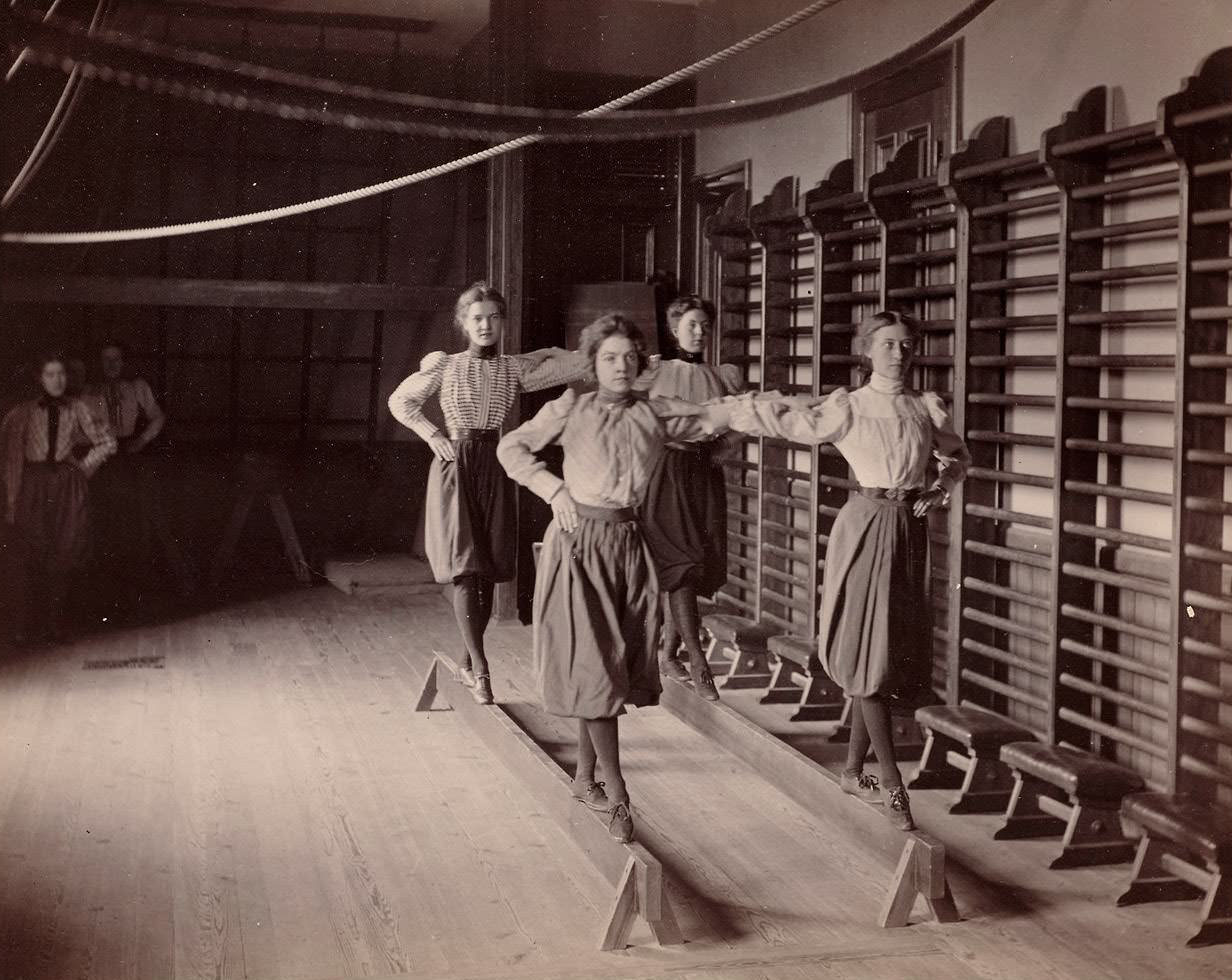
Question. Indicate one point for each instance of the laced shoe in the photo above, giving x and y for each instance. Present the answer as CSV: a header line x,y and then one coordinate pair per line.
x,y
620,823
898,809
671,667
862,786
703,682
482,691
591,794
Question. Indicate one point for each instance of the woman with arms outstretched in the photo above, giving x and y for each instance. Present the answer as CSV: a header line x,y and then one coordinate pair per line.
x,y
875,629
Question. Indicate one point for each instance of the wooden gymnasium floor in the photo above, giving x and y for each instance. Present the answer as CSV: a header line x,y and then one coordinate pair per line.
x,y
266,805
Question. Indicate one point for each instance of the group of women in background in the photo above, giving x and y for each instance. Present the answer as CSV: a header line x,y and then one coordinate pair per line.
x,y
639,520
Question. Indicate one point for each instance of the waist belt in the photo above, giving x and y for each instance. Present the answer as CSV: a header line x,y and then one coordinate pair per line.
x,y
693,448
608,515
902,495
474,435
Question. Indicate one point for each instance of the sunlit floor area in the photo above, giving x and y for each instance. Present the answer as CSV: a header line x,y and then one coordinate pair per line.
x,y
248,793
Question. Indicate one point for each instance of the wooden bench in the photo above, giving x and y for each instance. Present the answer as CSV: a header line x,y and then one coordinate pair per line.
x,y
1185,851
819,698
962,750
737,653
1058,790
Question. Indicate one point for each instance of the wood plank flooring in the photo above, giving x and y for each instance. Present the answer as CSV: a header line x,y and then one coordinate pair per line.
x,y
265,804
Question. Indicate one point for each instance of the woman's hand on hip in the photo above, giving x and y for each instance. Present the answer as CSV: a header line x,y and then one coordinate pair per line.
x,y
927,501
565,511
442,447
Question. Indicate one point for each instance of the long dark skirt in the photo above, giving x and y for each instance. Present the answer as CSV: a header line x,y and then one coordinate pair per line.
x,y
469,518
52,520
596,620
684,520
875,630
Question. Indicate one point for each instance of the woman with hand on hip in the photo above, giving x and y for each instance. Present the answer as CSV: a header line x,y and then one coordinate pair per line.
x,y
469,516
596,595
46,494
875,630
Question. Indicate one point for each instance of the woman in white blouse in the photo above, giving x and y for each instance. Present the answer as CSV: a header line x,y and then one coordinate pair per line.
x,y
596,595
875,630
469,518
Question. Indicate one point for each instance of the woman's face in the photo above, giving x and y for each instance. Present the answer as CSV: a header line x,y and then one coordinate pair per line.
x,y
616,364
891,349
692,331
54,378
483,322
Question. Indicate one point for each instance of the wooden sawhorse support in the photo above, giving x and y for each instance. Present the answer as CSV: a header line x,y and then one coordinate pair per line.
x,y
636,874
917,858
257,477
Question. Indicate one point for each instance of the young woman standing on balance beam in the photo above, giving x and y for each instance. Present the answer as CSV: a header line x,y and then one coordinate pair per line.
x,y
684,517
596,603
875,630
469,514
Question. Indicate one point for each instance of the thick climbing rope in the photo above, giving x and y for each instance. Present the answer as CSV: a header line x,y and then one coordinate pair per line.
x,y
205,77
233,221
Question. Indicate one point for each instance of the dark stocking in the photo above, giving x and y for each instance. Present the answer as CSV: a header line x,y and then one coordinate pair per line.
x,y
468,610
671,635
605,736
585,773
859,743
684,612
487,589
881,731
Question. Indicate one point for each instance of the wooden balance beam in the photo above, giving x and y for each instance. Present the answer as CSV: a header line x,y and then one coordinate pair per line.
x,y
917,859
636,873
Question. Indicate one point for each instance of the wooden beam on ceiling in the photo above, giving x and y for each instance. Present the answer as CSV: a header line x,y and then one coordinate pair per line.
x,y
289,18
242,294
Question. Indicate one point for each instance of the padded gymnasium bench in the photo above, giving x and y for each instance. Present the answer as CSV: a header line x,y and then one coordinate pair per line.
x,y
1063,790
820,699
1185,851
969,740
748,665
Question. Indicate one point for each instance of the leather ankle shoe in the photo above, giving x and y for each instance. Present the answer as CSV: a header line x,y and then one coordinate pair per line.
x,y
482,691
591,794
620,823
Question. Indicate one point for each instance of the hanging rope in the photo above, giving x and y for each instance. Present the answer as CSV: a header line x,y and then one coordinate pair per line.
x,y
882,69
60,115
205,77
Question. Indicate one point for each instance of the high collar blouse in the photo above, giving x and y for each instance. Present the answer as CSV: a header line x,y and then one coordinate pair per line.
x,y
688,381
476,392
887,433
25,438
611,446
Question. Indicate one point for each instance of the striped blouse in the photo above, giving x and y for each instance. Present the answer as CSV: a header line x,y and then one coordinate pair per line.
x,y
476,392
24,437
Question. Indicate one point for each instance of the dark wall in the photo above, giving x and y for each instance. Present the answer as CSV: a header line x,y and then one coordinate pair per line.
x,y
308,385
594,212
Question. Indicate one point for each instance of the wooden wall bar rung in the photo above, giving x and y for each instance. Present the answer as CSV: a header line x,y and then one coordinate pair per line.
x,y
1052,510
1120,493
1012,660
1115,660
1160,181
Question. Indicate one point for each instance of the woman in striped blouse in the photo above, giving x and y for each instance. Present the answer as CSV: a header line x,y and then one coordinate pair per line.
x,y
45,494
469,514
